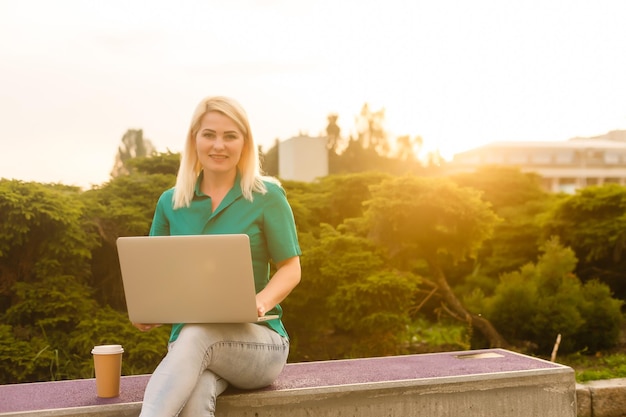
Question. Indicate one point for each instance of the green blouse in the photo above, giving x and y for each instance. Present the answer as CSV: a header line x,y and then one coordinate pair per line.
x,y
267,220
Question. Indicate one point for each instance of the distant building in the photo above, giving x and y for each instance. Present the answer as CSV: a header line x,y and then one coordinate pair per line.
x,y
303,158
564,166
616,135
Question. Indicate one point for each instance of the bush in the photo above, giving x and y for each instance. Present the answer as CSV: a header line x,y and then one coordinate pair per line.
x,y
602,315
22,360
375,311
540,301
594,367
30,354
142,351
438,337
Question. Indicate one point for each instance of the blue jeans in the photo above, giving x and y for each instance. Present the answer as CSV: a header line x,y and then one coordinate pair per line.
x,y
206,358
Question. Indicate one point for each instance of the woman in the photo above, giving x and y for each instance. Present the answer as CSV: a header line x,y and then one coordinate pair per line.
x,y
219,190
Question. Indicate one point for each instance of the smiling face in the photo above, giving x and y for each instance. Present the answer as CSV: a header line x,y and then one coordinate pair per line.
x,y
219,144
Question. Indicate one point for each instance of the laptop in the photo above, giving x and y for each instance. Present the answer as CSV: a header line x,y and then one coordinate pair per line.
x,y
188,279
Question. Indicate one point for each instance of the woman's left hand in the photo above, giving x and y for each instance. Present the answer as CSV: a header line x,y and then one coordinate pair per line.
x,y
261,310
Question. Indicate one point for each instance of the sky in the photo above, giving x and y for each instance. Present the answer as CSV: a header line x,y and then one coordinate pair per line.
x,y
75,75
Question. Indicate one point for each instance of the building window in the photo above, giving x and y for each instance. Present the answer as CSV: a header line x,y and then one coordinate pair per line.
x,y
567,185
596,156
611,158
541,158
468,159
493,159
517,158
564,158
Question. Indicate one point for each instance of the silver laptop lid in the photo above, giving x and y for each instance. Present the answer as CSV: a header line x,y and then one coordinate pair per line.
x,y
188,279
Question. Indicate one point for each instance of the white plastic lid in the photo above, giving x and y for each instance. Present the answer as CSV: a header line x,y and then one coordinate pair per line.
x,y
107,349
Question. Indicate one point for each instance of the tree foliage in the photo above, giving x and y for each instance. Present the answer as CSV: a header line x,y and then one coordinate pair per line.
x,y
521,202
45,250
122,207
409,147
424,218
49,267
378,251
503,187
544,299
368,150
333,199
332,263
164,163
371,131
333,133
593,223
42,234
375,309
269,160
133,145
412,215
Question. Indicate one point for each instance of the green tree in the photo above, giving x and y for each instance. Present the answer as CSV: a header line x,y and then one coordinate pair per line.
x,y
426,218
25,359
133,145
375,311
539,301
370,148
409,147
122,207
519,199
333,133
355,158
324,314
45,252
330,200
302,199
269,160
142,350
593,223
371,130
339,262
42,233
165,163
502,186
335,198
46,313
56,249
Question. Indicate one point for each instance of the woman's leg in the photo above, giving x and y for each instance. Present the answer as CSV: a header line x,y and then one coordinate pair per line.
x,y
204,396
246,355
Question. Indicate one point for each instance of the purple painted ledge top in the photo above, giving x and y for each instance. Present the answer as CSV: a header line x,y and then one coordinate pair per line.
x,y
82,392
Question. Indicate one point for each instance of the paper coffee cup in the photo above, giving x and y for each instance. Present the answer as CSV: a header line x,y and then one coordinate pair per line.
x,y
107,360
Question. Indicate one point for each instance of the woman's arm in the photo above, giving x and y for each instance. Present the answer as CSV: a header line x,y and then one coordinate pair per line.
x,y
284,280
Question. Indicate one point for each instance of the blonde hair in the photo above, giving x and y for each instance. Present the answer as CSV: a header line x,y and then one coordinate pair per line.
x,y
248,166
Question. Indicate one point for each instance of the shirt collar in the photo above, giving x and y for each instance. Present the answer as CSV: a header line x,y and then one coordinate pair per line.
x,y
197,191
233,194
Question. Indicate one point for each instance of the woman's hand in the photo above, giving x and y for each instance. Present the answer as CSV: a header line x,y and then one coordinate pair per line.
x,y
144,327
260,309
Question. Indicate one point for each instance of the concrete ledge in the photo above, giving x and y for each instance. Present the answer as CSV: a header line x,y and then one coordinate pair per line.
x,y
607,398
71,398
485,383
583,401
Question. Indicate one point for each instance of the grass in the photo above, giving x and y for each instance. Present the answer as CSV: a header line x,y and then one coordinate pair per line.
x,y
594,367
424,338
608,364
